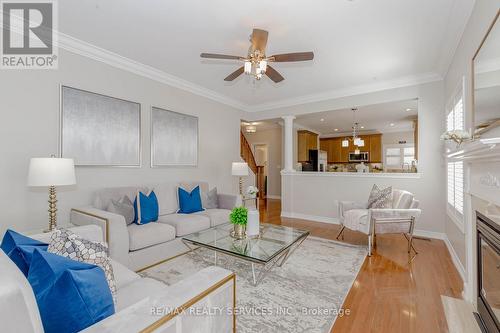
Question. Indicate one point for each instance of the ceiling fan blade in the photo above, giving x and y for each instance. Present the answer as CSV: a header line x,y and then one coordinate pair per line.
x,y
298,56
273,74
259,39
219,56
235,74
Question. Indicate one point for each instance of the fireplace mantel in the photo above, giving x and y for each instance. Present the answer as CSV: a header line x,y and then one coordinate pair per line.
x,y
477,151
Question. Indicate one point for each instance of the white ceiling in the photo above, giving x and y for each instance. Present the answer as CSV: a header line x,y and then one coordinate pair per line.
x,y
359,42
374,118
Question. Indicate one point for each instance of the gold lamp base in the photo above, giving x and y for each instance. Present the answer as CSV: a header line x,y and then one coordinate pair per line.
x,y
52,209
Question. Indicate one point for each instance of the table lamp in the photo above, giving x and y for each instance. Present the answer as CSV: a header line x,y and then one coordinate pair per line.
x,y
240,169
51,172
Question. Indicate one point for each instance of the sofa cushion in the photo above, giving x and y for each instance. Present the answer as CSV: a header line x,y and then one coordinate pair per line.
x,y
19,249
145,208
136,291
167,197
190,185
190,202
123,207
217,216
210,200
103,197
144,235
186,224
71,295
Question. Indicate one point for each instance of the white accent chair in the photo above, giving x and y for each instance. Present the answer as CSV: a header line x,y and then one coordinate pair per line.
x,y
400,218
140,246
143,304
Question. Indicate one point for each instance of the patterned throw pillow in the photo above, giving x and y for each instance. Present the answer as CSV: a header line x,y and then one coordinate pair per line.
x,y
67,244
380,198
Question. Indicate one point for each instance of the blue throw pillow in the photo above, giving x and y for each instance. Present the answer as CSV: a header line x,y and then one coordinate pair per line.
x,y
71,295
190,202
19,249
145,208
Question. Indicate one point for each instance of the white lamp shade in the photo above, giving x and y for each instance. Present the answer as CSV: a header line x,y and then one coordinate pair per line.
x,y
51,171
239,169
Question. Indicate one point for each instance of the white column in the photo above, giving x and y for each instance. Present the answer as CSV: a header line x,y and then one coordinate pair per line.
x,y
288,144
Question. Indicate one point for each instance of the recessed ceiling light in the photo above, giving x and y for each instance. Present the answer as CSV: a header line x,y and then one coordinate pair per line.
x,y
322,119
362,127
336,129
408,109
255,123
391,124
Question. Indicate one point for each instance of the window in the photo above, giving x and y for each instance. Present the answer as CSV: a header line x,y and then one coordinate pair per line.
x,y
397,155
456,187
455,120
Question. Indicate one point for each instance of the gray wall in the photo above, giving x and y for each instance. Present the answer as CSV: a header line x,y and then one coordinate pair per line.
x,y
30,128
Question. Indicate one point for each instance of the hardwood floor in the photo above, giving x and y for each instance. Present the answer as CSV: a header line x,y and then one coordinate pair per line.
x,y
389,295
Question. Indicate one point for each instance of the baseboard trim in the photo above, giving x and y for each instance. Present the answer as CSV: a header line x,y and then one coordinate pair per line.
x,y
429,234
314,218
456,261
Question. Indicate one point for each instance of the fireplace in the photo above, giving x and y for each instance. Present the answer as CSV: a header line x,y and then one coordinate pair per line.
x,y
488,274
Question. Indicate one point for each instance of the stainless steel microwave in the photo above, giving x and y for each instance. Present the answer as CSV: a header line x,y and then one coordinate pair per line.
x,y
363,156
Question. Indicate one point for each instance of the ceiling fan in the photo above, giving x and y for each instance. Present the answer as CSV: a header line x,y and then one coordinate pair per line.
x,y
256,63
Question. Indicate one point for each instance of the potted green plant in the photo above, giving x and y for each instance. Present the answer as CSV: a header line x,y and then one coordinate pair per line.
x,y
239,217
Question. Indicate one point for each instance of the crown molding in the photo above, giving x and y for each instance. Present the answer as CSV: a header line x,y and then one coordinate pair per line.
x,y
96,53
402,82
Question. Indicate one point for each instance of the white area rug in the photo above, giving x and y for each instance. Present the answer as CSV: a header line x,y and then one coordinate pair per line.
x,y
304,295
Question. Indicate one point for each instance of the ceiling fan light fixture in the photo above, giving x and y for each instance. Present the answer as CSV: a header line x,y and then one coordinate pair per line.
x,y
263,66
248,67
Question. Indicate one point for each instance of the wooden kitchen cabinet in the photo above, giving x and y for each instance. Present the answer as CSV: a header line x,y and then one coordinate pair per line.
x,y
306,140
375,148
339,154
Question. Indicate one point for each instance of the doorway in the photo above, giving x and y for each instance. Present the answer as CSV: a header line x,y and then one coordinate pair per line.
x,y
261,153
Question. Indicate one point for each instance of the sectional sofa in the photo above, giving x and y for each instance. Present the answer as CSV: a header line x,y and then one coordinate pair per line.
x,y
141,246
143,304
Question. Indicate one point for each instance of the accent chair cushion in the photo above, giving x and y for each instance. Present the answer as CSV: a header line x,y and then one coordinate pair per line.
x,y
401,199
186,224
189,202
146,208
217,216
19,249
71,295
357,220
142,236
380,198
123,207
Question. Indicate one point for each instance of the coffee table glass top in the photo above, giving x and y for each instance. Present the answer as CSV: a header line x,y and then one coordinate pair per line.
x,y
273,240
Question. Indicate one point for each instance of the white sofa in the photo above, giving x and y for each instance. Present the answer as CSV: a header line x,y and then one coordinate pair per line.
x,y
140,246
142,303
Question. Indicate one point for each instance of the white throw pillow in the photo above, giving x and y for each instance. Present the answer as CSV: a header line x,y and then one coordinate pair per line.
x,y
67,244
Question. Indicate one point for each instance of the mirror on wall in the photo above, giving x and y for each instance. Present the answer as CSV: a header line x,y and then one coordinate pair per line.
x,y
486,66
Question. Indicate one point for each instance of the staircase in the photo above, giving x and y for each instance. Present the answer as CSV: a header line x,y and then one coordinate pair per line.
x,y
247,156
246,153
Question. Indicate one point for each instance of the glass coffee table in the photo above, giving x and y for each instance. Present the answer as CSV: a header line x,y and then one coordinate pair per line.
x,y
272,247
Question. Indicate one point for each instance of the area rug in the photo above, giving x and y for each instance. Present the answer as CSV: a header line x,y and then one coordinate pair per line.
x,y
304,295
